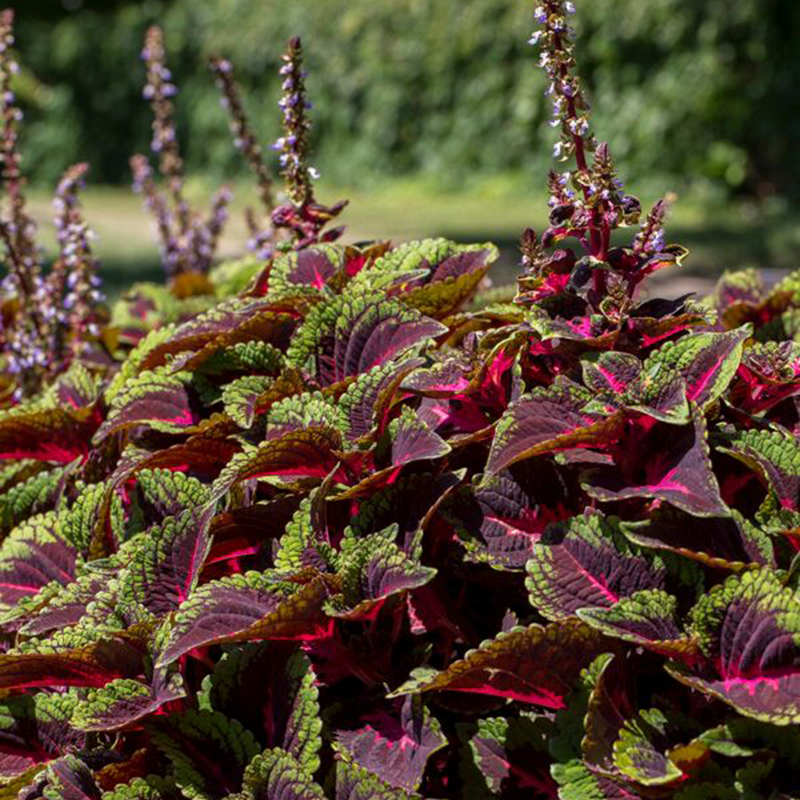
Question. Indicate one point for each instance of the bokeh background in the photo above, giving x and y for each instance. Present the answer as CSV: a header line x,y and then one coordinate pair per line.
x,y
430,114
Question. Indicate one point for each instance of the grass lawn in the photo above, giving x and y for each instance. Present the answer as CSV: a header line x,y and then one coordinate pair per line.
x,y
719,236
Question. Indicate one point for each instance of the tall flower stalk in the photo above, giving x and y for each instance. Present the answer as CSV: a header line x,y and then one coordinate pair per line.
x,y
302,215
16,226
74,279
188,240
48,321
245,141
588,201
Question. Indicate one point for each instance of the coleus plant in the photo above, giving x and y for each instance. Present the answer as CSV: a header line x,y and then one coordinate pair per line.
x,y
353,533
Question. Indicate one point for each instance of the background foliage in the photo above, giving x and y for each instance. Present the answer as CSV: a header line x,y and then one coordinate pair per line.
x,y
440,87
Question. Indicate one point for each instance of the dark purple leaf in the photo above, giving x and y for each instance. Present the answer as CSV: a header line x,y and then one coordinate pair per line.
x,y
246,607
662,462
394,745
32,556
545,422
749,629
583,564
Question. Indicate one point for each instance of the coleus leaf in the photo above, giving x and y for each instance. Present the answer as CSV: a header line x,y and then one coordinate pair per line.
x,y
775,454
247,397
153,787
245,607
352,333
636,755
649,331
727,542
67,778
102,617
208,752
784,327
153,398
576,779
748,630
373,569
578,782
56,606
39,493
208,327
772,519
412,440
77,387
453,279
271,328
509,755
741,286
305,541
257,356
132,365
241,397
593,331
299,412
647,618
679,473
308,452
244,537
277,774
610,705
546,421
452,374
93,664
96,509
125,701
408,440
741,297
364,406
769,373
12,473
621,742
585,563
167,493
203,454
611,373
537,665
503,517
706,361
395,748
165,569
621,380
744,737
33,555
311,268
427,261
59,435
409,503
270,687
355,783
35,728
409,264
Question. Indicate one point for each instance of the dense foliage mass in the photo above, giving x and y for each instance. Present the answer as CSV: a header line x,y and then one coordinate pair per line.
x,y
320,523
442,87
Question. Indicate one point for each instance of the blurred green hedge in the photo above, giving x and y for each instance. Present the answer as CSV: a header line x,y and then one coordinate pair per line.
x,y
447,88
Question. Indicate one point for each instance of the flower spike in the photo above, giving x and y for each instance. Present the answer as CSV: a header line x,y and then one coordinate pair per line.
x,y
187,242
245,141
303,216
